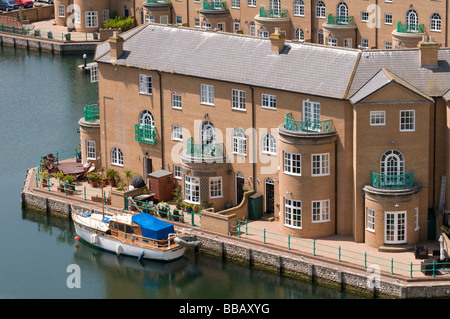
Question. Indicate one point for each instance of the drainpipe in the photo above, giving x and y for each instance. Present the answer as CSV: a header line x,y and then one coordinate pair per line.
x,y
335,188
253,139
161,114
446,22
376,23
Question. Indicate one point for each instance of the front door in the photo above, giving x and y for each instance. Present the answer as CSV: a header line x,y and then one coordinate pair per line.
x,y
395,227
239,187
270,197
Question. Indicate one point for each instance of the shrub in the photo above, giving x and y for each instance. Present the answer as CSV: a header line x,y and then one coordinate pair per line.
x,y
122,23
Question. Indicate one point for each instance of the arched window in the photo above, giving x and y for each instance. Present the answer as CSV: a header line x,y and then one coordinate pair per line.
x,y
299,35
342,9
412,20
252,28
239,142
299,8
392,168
146,119
269,144
208,133
275,7
435,23
320,9
116,156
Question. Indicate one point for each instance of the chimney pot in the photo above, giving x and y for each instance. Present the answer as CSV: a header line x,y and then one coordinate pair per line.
x,y
116,44
277,40
428,52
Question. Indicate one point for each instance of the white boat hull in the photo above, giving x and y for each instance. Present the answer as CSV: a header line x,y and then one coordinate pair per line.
x,y
120,248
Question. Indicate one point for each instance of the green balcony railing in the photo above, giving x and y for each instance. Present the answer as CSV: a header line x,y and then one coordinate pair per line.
x,y
410,28
145,134
214,5
273,13
325,126
384,181
340,20
159,1
204,150
91,113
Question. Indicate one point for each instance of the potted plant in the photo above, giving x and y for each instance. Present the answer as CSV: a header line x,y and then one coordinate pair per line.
x,y
195,208
68,179
112,176
94,178
189,208
122,186
178,214
163,208
44,177
59,176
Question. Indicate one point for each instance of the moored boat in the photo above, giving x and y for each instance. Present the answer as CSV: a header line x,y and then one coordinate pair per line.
x,y
142,235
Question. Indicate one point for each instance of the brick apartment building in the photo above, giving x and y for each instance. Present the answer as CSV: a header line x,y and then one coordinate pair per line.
x,y
337,140
381,24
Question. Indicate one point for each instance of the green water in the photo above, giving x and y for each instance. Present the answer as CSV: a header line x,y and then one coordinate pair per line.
x,y
41,100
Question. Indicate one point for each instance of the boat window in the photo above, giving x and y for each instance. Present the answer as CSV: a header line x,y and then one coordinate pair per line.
x,y
129,229
121,227
113,225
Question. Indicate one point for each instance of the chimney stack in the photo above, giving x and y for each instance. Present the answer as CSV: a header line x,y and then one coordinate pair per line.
x,y
277,40
116,44
428,52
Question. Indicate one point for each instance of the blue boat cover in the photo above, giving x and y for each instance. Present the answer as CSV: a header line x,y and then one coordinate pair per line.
x,y
153,227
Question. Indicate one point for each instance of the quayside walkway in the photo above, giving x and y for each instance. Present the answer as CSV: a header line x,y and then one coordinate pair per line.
x,y
338,250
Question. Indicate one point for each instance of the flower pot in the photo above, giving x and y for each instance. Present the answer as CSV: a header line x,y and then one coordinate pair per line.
x,y
94,183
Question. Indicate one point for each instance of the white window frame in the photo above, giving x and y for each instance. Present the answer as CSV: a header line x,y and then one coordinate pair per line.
x,y
177,133
251,3
61,11
299,8
105,15
116,157
179,20
320,164
215,187
94,73
410,126
311,111
90,150
206,25
269,144
320,9
299,35
263,34
292,163
235,4
435,22
268,101
145,84
388,45
364,43
348,43
207,94
396,236
370,219
221,26
149,18
177,101
292,213
192,189
320,210
332,42
364,16
252,29
239,142
238,101
197,22
177,172
377,118
164,19
91,19
388,18
77,17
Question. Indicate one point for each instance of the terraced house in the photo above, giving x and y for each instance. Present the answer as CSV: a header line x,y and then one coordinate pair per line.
x,y
337,140
382,24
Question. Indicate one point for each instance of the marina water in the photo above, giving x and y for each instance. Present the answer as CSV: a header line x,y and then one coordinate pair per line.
x,y
42,97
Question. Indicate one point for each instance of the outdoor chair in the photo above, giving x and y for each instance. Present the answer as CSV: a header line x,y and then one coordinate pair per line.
x,y
52,159
421,252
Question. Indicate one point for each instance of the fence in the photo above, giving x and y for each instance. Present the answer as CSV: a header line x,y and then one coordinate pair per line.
x,y
50,35
341,254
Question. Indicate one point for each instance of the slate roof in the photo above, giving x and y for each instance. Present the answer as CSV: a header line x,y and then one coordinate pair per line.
x,y
304,68
380,80
405,64
312,69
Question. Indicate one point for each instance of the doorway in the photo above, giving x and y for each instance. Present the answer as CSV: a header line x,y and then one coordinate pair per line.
x,y
270,196
395,227
240,181
147,167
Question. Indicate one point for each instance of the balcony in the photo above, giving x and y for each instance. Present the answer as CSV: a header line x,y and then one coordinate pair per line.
x,y
273,13
91,113
155,4
145,134
410,28
392,182
325,126
214,6
340,20
200,150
